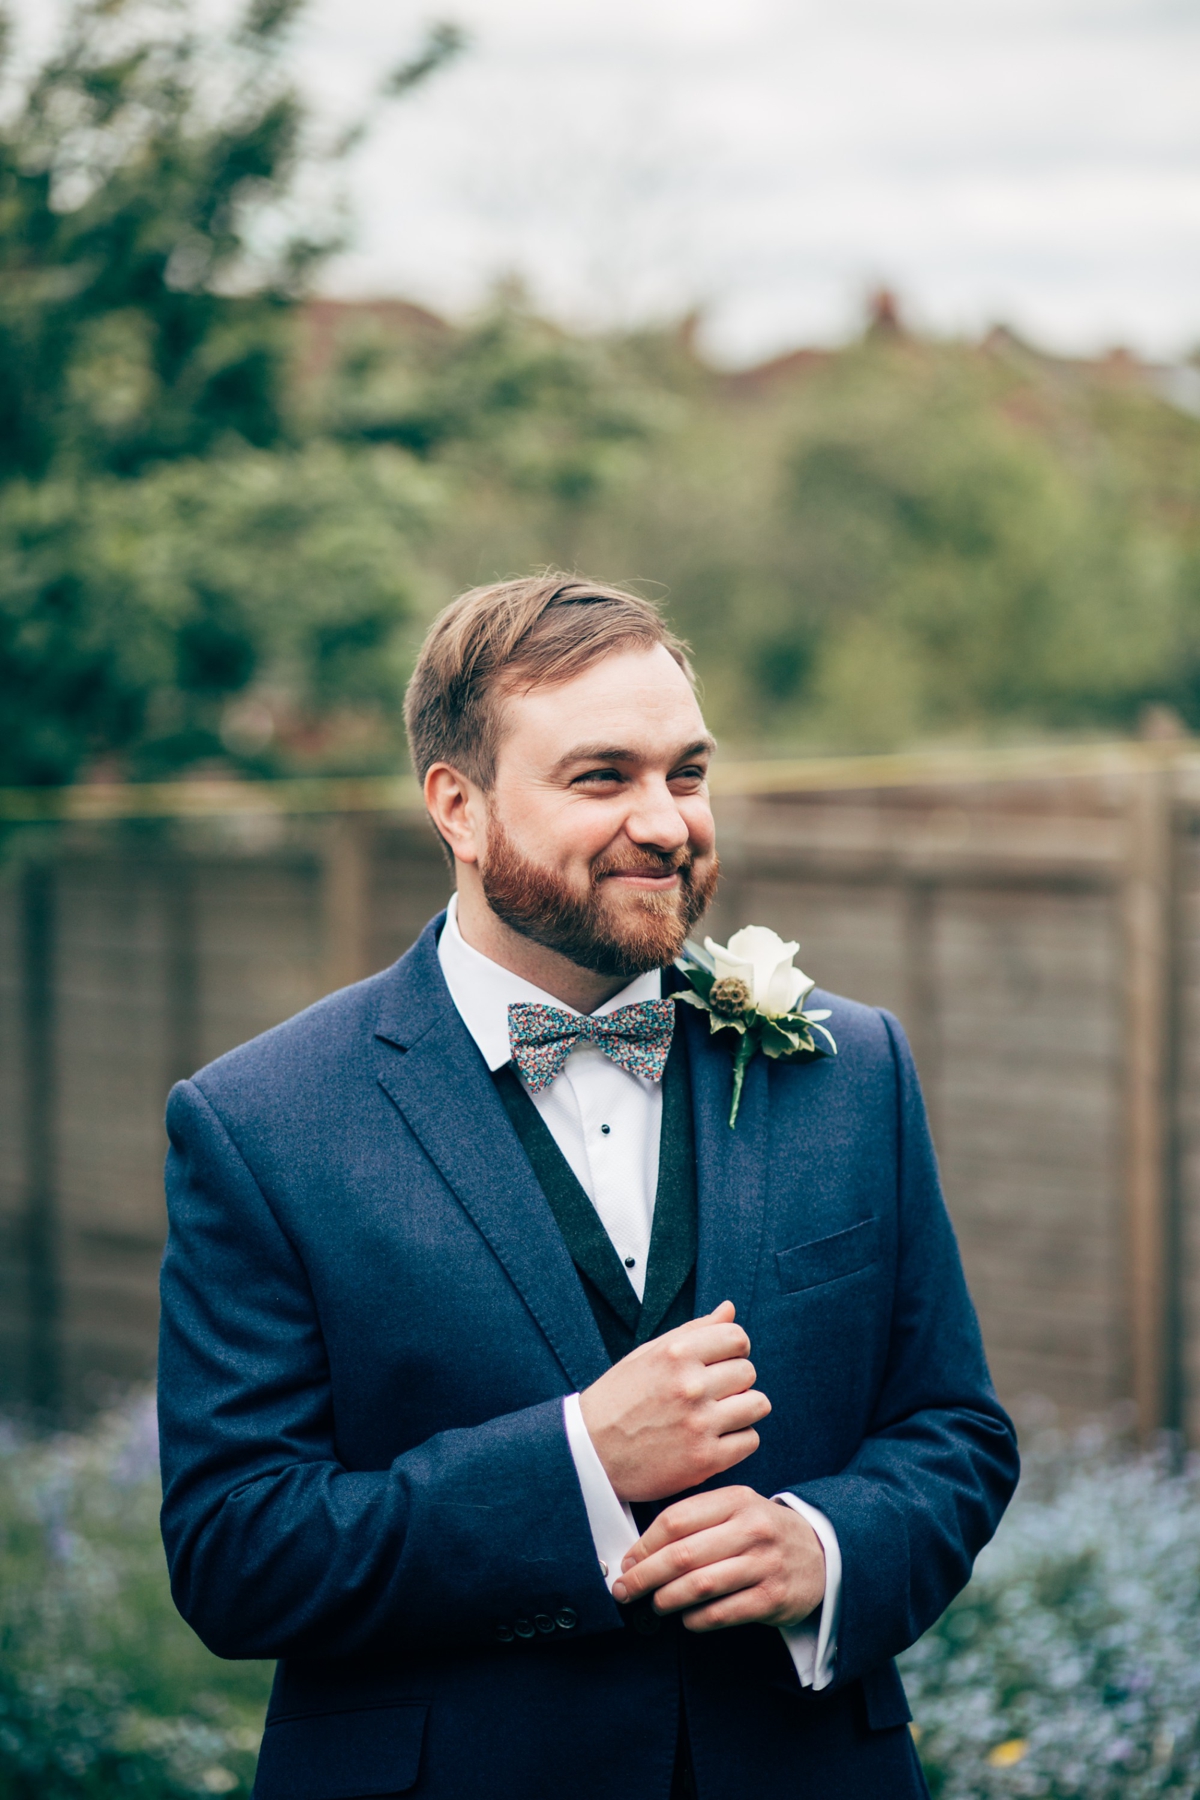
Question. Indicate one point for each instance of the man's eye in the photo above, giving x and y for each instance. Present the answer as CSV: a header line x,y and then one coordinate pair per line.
x,y
692,774
596,777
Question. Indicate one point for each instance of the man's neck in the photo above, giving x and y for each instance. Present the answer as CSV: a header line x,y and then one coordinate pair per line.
x,y
580,988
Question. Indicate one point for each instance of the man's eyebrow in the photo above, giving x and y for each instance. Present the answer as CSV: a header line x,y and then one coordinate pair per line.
x,y
621,753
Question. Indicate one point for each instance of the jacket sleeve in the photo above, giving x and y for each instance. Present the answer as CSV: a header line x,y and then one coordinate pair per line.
x,y
274,1547
928,1485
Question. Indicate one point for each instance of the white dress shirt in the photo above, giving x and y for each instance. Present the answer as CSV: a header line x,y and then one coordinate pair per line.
x,y
607,1124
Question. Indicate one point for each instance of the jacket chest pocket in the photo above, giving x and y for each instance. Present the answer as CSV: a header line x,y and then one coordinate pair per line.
x,y
829,1258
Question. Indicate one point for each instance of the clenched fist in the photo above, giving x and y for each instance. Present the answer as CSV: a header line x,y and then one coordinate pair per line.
x,y
677,1410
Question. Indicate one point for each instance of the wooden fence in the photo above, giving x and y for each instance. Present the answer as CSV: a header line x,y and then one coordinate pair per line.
x,y
1032,917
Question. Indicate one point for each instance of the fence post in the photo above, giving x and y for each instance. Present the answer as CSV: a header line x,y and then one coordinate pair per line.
x,y
1151,986
921,1019
347,901
182,969
43,1379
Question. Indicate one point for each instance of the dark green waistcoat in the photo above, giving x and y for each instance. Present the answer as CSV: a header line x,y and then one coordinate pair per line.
x,y
670,1288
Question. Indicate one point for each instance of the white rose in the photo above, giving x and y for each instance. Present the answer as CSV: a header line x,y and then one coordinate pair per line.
x,y
764,962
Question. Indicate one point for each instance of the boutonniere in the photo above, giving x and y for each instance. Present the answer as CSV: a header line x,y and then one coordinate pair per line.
x,y
750,986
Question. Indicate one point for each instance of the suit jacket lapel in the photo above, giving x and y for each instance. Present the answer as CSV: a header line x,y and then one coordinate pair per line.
x,y
432,1070
730,1169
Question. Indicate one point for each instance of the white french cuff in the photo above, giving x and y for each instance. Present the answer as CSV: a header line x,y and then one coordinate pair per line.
x,y
812,1645
613,1530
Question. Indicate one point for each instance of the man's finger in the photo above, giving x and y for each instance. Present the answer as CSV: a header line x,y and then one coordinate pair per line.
x,y
737,1375
734,1447
716,1330
683,1518
733,1537
739,1412
748,1606
710,1343
713,1582
725,1314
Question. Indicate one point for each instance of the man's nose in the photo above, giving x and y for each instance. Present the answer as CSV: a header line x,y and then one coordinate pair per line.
x,y
655,820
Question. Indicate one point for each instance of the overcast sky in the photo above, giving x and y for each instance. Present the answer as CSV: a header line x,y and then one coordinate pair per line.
x,y
1032,161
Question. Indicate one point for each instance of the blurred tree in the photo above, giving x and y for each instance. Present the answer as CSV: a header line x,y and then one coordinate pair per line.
x,y
216,542
128,207
249,608
913,541
509,399
153,244
957,567
147,247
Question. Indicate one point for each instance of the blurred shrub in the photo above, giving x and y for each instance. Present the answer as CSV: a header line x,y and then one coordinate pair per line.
x,y
103,1690
1070,1667
249,607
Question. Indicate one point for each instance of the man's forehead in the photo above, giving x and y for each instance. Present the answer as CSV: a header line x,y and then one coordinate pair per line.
x,y
633,707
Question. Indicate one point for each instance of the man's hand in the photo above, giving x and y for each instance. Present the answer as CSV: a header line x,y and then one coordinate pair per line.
x,y
678,1410
727,1558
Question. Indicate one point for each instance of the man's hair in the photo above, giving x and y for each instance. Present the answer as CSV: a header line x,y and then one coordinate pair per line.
x,y
507,638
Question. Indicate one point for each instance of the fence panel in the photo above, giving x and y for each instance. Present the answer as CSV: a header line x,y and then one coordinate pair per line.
x,y
1036,926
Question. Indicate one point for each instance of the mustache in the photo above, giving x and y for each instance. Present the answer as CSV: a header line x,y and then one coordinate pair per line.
x,y
654,862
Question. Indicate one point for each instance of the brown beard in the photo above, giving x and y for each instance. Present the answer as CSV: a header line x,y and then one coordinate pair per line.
x,y
539,905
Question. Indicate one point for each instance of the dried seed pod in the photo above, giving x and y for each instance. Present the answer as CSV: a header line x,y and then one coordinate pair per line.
x,y
729,997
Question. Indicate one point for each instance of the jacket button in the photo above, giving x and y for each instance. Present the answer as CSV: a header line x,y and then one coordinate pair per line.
x,y
543,1621
567,1618
646,1624
524,1628
504,1633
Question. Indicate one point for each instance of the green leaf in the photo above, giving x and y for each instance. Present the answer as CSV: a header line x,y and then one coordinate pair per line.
x,y
776,1041
745,1051
701,980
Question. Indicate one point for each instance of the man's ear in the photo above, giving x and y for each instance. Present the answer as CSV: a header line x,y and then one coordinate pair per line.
x,y
458,811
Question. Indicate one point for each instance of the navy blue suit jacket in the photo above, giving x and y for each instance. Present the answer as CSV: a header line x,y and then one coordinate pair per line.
x,y
369,1322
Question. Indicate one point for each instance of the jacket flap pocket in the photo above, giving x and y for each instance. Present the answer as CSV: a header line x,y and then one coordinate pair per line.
x,y
825,1259
341,1755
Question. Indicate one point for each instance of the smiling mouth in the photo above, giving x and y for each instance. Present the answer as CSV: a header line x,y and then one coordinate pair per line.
x,y
658,878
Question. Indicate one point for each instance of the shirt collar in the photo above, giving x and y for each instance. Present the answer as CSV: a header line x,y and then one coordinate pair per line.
x,y
483,991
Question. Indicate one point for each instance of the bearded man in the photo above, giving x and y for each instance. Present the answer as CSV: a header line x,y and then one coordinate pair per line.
x,y
465,1269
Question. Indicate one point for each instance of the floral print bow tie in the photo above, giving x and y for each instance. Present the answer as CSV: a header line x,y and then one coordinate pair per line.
x,y
638,1038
